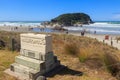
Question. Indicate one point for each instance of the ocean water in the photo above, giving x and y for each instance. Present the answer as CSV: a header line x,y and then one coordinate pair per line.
x,y
100,27
19,23
44,30
34,24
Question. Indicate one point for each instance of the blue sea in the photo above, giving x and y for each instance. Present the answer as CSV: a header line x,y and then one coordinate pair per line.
x,y
33,24
18,23
100,27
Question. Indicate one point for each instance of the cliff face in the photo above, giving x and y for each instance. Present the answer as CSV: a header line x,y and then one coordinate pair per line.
x,y
72,18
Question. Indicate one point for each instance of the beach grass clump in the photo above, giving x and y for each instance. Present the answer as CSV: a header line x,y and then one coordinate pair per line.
x,y
112,63
6,58
2,44
84,54
71,49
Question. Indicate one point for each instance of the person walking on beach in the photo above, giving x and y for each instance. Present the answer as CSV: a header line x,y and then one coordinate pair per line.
x,y
94,32
111,43
103,41
117,40
82,33
67,32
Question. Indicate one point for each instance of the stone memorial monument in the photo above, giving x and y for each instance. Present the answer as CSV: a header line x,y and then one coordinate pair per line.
x,y
36,57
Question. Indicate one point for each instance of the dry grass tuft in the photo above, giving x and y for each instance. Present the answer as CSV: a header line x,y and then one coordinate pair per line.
x,y
71,49
6,58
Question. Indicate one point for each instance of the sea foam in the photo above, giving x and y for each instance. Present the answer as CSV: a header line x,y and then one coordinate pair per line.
x,y
99,28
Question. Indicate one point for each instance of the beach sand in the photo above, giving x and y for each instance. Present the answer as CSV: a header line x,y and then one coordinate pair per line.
x,y
100,37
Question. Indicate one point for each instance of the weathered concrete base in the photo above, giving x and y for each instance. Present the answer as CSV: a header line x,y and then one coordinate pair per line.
x,y
25,73
40,77
21,77
17,75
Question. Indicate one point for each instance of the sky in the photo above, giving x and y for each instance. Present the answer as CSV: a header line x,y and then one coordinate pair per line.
x,y
45,10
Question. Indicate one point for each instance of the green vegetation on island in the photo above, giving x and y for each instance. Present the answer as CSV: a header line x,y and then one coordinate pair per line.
x,y
71,19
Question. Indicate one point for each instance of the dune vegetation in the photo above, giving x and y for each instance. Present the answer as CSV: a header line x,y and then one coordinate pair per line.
x,y
90,54
94,59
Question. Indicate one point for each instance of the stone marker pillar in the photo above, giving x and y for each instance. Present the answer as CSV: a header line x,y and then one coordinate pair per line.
x,y
36,57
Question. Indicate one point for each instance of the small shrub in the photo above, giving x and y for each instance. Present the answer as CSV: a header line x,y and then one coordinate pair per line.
x,y
2,44
71,49
111,63
82,58
83,55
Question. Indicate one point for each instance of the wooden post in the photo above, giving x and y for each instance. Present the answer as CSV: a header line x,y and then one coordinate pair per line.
x,y
12,40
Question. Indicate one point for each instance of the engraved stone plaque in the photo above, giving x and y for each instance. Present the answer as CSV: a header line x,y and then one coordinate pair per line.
x,y
38,42
31,54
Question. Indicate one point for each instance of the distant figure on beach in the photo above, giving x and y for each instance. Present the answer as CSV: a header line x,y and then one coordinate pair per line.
x,y
66,32
117,40
111,43
82,33
103,41
16,27
20,25
94,32
41,29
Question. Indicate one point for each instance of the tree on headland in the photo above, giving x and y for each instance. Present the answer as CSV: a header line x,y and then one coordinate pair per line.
x,y
72,18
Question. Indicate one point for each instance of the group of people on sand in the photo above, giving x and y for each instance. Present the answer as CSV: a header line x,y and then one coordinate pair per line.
x,y
82,32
